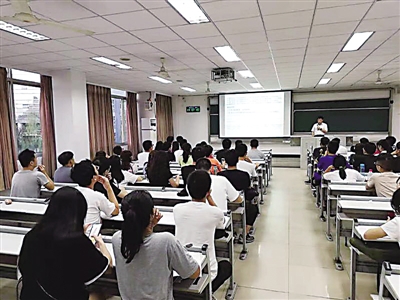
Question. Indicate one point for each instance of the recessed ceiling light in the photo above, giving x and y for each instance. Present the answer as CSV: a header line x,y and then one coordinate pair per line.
x,y
324,81
335,67
190,10
246,74
227,53
357,40
22,32
256,85
124,59
111,62
188,89
160,79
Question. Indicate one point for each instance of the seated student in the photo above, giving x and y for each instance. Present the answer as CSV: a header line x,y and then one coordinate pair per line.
x,y
85,174
117,150
159,146
342,150
326,161
128,167
63,174
158,170
100,154
221,189
27,182
186,158
196,222
57,260
178,153
215,165
241,182
243,165
226,145
170,139
383,147
238,142
145,260
104,168
368,158
391,141
174,148
320,151
143,157
254,153
339,172
396,151
364,140
383,182
358,152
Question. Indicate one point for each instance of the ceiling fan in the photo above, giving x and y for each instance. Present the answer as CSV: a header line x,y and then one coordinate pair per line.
x,y
23,13
208,87
163,71
379,80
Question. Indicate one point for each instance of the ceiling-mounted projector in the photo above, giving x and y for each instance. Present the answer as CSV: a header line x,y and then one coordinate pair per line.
x,y
223,75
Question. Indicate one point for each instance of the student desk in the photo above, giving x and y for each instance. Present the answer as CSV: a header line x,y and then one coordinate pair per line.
x,y
174,171
390,280
12,238
146,182
350,210
360,262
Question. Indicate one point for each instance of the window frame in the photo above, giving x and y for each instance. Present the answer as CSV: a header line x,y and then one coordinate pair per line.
x,y
122,98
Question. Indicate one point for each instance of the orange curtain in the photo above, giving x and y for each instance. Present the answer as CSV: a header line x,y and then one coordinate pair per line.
x,y
133,123
101,126
8,152
47,124
165,126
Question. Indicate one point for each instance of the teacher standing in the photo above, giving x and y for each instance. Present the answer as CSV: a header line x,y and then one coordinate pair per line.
x,y
320,128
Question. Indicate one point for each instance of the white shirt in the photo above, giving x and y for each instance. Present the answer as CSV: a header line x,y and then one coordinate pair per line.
x,y
178,153
222,190
384,183
143,158
392,229
195,223
351,176
96,203
342,150
247,167
323,126
129,177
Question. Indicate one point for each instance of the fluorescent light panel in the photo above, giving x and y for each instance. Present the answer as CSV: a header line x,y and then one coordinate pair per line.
x,y
246,74
111,62
335,67
190,10
227,53
22,32
256,85
188,89
357,40
324,81
160,79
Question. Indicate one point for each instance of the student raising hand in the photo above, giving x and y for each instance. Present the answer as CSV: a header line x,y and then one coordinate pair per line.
x,y
156,217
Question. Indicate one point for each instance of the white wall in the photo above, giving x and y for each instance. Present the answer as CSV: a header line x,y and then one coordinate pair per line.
x,y
193,126
396,115
339,95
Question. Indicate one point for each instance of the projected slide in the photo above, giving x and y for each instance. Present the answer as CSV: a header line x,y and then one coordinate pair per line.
x,y
255,115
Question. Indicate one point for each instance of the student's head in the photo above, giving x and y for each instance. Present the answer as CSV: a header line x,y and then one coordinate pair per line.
x,y
203,143
333,147
117,150
158,164
254,144
100,153
138,212
147,146
187,151
336,140
226,144
159,146
175,146
395,202
28,159
66,159
170,139
391,140
398,146
208,149
320,119
358,149
64,216
166,146
238,142
231,158
182,142
241,150
339,163
116,169
369,148
324,141
84,173
199,184
198,152
364,140
203,164
179,138
126,159
384,163
103,165
383,145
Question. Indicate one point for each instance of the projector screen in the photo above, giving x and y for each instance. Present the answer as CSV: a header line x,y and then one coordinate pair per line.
x,y
255,115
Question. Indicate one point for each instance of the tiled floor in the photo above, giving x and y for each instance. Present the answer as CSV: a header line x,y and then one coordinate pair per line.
x,y
291,259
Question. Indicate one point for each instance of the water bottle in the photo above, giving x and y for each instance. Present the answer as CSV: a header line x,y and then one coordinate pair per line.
x,y
369,174
362,168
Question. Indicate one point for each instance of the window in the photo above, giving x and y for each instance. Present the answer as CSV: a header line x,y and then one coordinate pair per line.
x,y
119,116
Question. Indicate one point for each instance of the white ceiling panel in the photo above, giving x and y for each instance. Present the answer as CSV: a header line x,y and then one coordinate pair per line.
x,y
54,32
107,51
207,42
384,9
333,29
329,40
289,52
84,42
169,16
285,6
49,56
76,54
379,37
289,58
4,42
139,49
324,49
14,38
192,31
189,53
222,11
248,48
96,24
246,38
288,34
340,14
255,55
172,45
135,20
289,44
150,4
156,35
60,10
51,45
379,24
240,25
107,7
289,20
334,3
118,38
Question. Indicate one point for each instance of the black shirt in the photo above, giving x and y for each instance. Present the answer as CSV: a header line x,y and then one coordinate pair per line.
x,y
62,267
239,179
318,152
220,154
98,187
160,177
396,165
367,160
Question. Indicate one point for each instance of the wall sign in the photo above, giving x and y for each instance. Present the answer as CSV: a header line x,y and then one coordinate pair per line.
x,y
192,109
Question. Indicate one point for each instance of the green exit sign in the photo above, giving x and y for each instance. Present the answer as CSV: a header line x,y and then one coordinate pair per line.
x,y
192,109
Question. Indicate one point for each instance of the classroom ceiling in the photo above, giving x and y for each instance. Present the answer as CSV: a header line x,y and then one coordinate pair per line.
x,y
286,44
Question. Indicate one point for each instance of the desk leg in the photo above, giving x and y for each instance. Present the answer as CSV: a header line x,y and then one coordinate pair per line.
x,y
265,178
328,220
353,265
260,189
243,254
338,261
230,293
322,202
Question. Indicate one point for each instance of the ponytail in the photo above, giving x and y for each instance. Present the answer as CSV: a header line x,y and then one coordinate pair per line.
x,y
186,152
339,163
342,173
137,209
